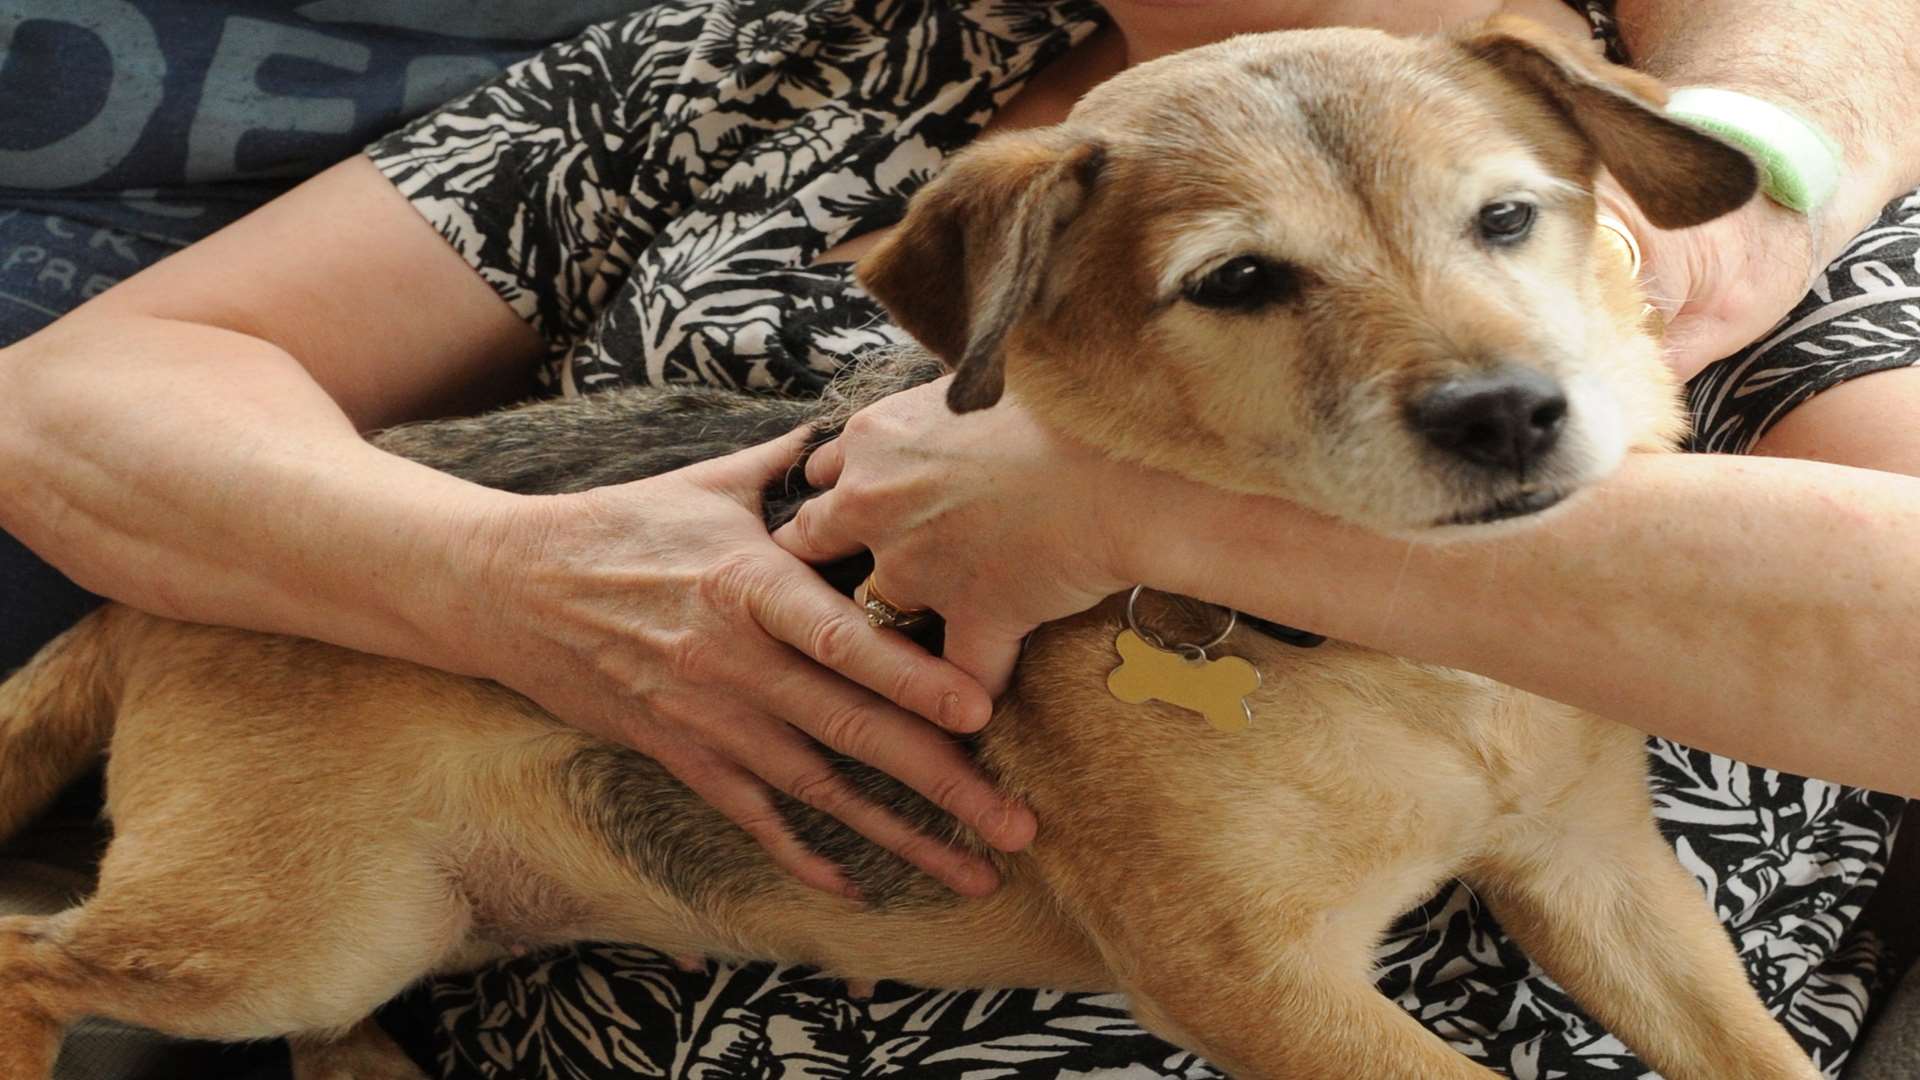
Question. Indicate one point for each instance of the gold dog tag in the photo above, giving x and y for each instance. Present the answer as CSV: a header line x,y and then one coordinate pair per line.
x,y
1216,689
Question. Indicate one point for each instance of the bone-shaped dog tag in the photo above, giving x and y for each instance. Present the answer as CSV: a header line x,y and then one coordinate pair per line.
x,y
1216,689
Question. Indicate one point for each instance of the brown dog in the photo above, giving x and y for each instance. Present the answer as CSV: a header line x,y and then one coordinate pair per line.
x,y
1348,269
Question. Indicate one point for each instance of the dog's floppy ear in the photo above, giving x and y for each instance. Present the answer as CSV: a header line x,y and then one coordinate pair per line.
x,y
1678,175
970,259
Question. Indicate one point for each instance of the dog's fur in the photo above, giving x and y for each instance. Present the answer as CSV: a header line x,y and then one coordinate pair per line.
x,y
302,831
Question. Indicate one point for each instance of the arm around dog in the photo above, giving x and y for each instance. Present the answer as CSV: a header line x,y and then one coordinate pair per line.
x,y
189,444
1760,608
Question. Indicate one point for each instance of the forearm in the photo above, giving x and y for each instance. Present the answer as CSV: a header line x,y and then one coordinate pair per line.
x,y
1849,66
1623,603
202,474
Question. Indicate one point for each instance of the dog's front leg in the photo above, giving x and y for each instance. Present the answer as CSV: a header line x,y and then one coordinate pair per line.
x,y
1266,1016
1265,978
1594,894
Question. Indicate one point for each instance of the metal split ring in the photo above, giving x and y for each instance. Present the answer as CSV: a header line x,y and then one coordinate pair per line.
x,y
1190,650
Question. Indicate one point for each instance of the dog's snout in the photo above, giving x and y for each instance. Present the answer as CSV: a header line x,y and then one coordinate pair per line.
x,y
1506,419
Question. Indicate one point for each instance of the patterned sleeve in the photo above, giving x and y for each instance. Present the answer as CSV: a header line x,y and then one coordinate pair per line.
x,y
544,179
1862,316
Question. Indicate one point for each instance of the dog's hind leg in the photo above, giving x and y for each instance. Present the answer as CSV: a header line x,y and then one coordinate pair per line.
x,y
56,714
225,943
29,1036
1595,896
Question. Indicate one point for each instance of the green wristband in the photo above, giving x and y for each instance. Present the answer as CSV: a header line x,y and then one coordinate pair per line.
x,y
1799,163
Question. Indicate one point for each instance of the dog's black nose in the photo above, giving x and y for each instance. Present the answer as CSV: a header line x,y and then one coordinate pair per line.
x,y
1507,419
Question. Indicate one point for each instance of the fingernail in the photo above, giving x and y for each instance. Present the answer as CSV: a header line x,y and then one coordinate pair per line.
x,y
953,717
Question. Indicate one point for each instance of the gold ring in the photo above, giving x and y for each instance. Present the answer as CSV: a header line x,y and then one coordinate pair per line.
x,y
883,613
1623,240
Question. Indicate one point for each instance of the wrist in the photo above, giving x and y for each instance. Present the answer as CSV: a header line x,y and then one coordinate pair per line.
x,y
1838,68
466,572
1138,519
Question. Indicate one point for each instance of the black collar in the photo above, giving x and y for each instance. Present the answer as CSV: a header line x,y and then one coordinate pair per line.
x,y
1286,635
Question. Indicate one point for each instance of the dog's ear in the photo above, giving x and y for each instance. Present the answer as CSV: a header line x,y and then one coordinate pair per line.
x,y
1677,174
970,258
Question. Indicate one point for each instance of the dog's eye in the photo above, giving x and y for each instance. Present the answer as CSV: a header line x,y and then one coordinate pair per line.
x,y
1244,284
1506,221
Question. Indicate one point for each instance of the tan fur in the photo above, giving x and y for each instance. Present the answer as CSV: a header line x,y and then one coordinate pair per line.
x,y
302,830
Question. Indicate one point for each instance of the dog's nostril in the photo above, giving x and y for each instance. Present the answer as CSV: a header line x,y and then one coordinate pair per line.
x,y
1507,419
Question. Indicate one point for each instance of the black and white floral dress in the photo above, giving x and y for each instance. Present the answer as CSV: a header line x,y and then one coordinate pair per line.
x,y
650,198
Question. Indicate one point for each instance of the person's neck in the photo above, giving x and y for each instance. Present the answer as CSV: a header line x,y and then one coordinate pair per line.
x,y
1155,28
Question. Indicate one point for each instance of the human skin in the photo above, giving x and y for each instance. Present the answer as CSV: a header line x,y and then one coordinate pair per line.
x,y
1760,608
657,614
1696,597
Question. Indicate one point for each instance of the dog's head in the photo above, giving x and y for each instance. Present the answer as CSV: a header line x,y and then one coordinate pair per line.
x,y
1348,269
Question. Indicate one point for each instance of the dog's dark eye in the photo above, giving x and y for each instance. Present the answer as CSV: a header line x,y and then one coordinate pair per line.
x,y
1245,283
1506,222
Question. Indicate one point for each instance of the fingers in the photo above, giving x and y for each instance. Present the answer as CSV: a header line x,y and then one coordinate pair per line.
x,y
826,463
986,653
745,801
787,760
805,612
748,472
743,751
816,534
911,751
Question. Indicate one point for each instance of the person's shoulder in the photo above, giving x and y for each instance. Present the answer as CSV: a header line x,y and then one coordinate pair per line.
x,y
800,54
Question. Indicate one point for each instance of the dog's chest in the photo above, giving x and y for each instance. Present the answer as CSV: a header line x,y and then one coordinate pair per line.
x,y
1343,741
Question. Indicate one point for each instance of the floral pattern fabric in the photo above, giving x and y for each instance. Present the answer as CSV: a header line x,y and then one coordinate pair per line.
x,y
650,197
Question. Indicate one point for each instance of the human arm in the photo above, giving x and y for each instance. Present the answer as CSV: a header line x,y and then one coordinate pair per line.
x,y
1760,608
189,443
1837,64
166,446
1725,602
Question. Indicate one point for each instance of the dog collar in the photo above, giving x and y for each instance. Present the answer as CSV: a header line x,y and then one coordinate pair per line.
x,y
1799,163
1286,635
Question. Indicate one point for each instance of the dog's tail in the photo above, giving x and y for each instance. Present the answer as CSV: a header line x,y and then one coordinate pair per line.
x,y
56,715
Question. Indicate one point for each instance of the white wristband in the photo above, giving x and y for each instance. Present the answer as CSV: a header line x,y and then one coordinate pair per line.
x,y
1799,163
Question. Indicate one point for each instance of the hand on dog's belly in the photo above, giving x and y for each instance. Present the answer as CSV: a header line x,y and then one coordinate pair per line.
x,y
660,615
989,518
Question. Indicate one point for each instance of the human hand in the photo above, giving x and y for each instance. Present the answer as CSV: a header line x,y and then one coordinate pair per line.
x,y
660,615
989,518
1719,286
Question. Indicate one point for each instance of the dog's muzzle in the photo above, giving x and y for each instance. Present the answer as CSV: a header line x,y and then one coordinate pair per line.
x,y
1507,420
